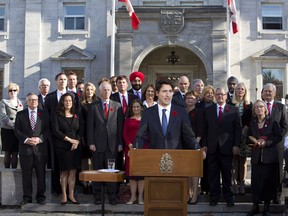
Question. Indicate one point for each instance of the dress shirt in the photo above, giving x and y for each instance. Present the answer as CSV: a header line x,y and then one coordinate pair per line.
x,y
182,94
126,98
223,106
168,110
103,102
43,98
72,90
146,104
271,106
60,93
135,92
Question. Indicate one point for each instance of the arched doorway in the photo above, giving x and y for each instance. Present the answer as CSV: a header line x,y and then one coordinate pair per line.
x,y
155,65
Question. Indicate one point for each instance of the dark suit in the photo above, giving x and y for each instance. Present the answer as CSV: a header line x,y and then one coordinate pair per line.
x,y
31,156
40,102
131,97
178,99
265,160
106,135
280,116
220,137
179,133
132,92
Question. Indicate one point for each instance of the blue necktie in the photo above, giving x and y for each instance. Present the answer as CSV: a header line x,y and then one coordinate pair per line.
x,y
164,121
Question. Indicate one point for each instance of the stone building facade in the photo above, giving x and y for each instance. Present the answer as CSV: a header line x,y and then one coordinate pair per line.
x,y
39,38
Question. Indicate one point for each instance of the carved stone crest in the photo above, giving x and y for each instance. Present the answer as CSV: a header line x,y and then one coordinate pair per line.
x,y
172,21
166,164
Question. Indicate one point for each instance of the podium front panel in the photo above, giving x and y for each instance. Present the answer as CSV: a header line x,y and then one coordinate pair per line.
x,y
166,162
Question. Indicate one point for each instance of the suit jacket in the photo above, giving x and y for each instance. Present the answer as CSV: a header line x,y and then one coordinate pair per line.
x,y
271,132
132,92
179,134
105,134
40,102
23,131
223,135
8,112
63,127
279,115
131,97
178,100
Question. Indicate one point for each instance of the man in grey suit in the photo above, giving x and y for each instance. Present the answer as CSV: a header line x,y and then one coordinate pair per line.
x,y
29,129
277,112
167,125
104,136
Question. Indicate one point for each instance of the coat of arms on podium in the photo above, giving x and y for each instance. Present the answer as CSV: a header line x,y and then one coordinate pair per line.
x,y
166,163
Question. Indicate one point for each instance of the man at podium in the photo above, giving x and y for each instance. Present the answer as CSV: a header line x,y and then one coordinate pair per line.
x,y
165,125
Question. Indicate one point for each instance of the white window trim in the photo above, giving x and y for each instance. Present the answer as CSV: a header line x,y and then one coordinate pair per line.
x,y
4,34
61,31
262,32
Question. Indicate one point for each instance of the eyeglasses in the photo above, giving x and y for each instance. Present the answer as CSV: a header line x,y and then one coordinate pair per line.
x,y
33,100
13,90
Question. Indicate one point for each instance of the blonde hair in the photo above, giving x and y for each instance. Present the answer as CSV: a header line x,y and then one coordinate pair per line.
x,y
246,97
84,97
264,104
207,89
13,86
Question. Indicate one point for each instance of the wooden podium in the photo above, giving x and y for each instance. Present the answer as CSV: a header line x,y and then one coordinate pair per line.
x,y
166,175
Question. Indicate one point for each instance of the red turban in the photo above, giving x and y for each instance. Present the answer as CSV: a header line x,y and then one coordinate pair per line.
x,y
135,74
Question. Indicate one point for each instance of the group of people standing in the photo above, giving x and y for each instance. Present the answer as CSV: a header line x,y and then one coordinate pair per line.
x,y
65,128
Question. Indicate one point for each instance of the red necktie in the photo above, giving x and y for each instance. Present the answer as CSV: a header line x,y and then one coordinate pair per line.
x,y
124,104
106,110
268,107
220,114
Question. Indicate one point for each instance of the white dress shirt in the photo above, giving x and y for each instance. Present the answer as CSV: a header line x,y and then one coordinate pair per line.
x,y
168,110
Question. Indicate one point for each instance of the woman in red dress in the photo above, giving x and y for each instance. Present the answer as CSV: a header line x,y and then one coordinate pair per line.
x,y
131,126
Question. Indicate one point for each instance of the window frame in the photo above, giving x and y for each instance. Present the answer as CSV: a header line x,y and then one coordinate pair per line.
x,y
61,19
262,17
266,32
73,16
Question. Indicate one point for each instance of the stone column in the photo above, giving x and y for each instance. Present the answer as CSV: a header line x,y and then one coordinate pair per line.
x,y
124,54
32,45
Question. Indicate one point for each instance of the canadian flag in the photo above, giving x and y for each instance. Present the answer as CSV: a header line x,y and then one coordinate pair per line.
x,y
132,14
232,11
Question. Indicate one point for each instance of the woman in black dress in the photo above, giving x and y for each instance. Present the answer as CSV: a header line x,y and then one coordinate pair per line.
x,y
66,131
264,134
87,98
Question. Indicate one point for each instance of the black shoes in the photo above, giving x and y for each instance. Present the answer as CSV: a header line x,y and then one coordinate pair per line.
x,y
254,210
213,202
25,202
41,202
230,203
113,201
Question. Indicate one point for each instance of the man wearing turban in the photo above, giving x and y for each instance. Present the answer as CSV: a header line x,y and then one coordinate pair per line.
x,y
136,80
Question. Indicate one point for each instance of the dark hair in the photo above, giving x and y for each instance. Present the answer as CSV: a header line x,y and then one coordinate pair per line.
x,y
232,78
121,77
71,73
145,90
59,74
79,83
130,114
103,79
60,106
160,83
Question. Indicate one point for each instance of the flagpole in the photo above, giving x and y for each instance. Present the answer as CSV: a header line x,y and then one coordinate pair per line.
x,y
112,65
228,42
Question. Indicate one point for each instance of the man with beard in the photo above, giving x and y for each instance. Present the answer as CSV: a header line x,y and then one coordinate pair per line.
x,y
231,84
136,80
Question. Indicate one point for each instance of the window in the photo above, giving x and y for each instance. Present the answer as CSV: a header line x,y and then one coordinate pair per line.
x,y
74,18
272,16
2,17
275,76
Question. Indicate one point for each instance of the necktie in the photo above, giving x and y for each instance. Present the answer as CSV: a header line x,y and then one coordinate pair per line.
x,y
220,114
32,120
269,107
124,104
106,110
138,95
164,121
